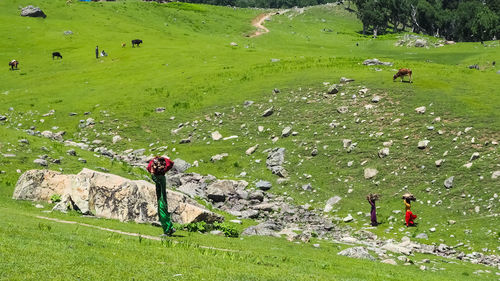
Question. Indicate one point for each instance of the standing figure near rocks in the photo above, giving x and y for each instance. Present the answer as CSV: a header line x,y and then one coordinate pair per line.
x,y
373,212
409,216
157,167
96,52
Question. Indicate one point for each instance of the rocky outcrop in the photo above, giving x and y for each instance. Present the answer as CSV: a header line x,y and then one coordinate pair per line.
x,y
108,196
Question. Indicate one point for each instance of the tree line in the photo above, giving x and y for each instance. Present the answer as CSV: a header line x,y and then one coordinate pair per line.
x,y
272,4
459,20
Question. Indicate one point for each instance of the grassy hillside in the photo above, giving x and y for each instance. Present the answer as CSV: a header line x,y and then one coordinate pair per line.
x,y
188,65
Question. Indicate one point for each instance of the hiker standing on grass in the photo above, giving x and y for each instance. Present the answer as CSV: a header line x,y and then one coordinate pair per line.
x,y
96,52
409,216
157,167
373,212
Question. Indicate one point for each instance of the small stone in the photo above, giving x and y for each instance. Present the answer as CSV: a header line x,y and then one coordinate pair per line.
x,y
376,99
117,138
474,156
389,261
39,206
263,185
423,144
495,175
252,149
345,80
286,131
448,183
342,109
451,222
439,162
467,165
370,173
384,152
420,110
268,112
333,89
432,229
422,236
216,136
41,162
349,218
307,187
160,109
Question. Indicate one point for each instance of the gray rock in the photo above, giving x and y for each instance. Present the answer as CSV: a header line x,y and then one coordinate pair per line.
x,y
71,152
370,173
286,131
31,11
474,156
495,175
384,152
333,89
216,136
420,43
376,99
448,183
250,214
314,152
247,103
342,109
3,118
217,232
349,218
268,112
41,162
376,62
23,141
422,236
252,149
183,141
439,162
82,160
218,157
389,261
160,109
423,144
262,229
345,80
180,165
257,195
420,110
357,253
346,142
330,202
263,185
307,187
69,32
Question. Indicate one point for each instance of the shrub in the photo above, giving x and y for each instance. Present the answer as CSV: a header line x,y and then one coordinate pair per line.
x,y
55,198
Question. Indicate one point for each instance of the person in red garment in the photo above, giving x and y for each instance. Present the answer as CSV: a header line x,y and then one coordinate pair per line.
x,y
409,217
157,167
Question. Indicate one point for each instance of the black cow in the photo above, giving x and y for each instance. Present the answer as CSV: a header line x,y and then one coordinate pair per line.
x,y
56,54
136,42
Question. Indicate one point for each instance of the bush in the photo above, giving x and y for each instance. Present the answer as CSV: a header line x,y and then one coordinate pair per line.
x,y
55,198
229,231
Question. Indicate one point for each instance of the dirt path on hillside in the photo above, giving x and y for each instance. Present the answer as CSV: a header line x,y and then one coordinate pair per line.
x,y
258,22
127,233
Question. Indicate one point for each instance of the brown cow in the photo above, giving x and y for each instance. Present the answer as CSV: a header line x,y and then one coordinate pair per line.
x,y
402,73
13,63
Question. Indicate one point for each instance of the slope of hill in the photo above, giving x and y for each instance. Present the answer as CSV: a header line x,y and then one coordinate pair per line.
x,y
190,66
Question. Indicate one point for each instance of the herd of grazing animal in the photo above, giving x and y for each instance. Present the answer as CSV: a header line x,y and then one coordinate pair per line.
x,y
14,63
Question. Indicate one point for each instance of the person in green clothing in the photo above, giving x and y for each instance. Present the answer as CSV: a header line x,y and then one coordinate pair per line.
x,y
157,167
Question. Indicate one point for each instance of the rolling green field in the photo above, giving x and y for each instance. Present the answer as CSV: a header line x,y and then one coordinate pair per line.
x,y
188,65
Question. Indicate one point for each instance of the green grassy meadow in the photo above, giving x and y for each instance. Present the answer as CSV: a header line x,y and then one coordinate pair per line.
x,y
188,66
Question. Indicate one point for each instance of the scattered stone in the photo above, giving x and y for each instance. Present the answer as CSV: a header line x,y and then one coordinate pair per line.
x,y
252,149
420,43
349,218
3,118
82,160
286,131
39,206
68,32
31,11
180,166
474,156
218,157
346,142
420,110
307,187
422,236
330,202
432,229
217,232
216,136
268,112
71,152
41,162
376,62
423,144
467,165
183,141
448,183
345,80
370,173
376,99
234,44
439,162
384,152
160,109
116,139
263,185
495,175
333,89
389,261
451,222
314,152
248,103
342,109
230,137
357,252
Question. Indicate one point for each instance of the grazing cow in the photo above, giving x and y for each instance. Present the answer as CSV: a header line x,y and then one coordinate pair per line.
x,y
56,55
123,45
136,42
13,63
402,73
